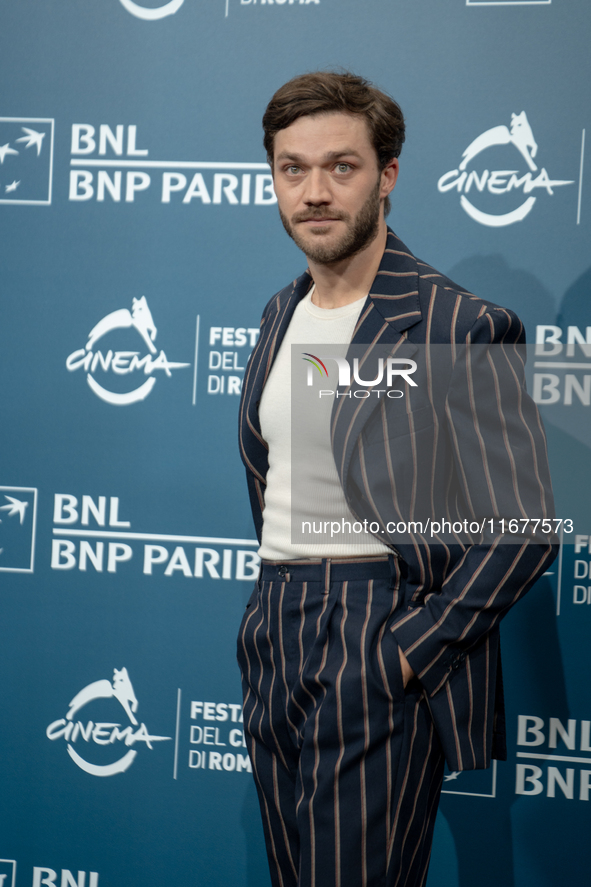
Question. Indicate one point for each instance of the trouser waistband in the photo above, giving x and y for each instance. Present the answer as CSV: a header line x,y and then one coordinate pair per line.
x,y
327,570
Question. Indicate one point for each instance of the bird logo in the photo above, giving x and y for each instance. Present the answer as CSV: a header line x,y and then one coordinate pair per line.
x,y
31,138
5,150
26,160
15,506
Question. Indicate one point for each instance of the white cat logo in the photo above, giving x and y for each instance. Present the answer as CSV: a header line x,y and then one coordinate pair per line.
x,y
140,317
103,733
519,135
503,181
122,362
150,13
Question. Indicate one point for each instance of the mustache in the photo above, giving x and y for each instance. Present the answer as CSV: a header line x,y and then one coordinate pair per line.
x,y
316,215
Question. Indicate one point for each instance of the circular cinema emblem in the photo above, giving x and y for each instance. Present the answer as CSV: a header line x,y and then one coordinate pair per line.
x,y
115,366
474,179
126,730
150,13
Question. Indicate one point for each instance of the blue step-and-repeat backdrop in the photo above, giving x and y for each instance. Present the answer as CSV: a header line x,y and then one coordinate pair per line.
x,y
139,243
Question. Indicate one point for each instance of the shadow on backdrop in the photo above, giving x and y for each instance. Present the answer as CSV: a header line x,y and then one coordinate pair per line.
x,y
481,828
491,277
474,837
575,308
570,458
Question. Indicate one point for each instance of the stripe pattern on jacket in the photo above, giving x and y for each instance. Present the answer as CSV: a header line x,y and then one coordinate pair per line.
x,y
455,594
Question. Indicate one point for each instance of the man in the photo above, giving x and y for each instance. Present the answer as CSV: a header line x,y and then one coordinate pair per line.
x,y
367,662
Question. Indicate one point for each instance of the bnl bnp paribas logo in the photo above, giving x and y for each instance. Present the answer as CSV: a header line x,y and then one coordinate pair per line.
x,y
117,368
112,705
18,521
109,166
488,194
45,877
26,160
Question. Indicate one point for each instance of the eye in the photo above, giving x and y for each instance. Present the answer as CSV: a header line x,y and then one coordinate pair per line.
x,y
342,167
292,170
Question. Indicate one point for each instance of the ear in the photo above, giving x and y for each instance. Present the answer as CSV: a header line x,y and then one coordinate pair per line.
x,y
388,177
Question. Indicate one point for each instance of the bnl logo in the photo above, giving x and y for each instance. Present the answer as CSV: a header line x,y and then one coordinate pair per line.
x,y
46,877
26,160
49,878
18,521
7,873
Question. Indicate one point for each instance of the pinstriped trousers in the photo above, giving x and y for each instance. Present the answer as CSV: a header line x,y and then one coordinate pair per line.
x,y
347,765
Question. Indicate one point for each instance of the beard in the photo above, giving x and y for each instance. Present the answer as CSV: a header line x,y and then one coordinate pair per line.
x,y
360,231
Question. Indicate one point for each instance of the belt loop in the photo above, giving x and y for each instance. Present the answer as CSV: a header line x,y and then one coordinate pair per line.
x,y
326,564
394,571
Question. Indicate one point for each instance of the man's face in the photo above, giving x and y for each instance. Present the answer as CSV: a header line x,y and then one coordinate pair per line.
x,y
328,185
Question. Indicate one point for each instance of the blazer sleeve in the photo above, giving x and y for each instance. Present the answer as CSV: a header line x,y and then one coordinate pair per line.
x,y
501,471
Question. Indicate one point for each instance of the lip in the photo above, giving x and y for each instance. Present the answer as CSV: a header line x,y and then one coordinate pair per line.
x,y
318,223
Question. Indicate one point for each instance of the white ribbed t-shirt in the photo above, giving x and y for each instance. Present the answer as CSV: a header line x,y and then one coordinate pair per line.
x,y
313,469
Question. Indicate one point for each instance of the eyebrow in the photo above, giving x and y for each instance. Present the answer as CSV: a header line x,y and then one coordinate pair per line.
x,y
330,155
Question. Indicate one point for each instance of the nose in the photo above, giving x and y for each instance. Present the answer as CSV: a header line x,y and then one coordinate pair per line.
x,y
317,191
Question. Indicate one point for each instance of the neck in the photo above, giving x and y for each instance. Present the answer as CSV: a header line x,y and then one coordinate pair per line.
x,y
347,281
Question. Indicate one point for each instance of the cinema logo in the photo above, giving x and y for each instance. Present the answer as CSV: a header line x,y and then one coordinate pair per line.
x,y
108,165
104,733
152,13
123,363
569,358
389,369
549,773
500,184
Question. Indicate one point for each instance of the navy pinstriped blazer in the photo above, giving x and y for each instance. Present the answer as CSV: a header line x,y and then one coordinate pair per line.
x,y
454,594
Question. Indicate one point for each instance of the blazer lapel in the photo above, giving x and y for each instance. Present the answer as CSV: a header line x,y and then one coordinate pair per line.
x,y
392,307
394,293
276,320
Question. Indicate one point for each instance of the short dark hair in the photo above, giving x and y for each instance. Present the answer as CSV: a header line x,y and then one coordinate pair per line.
x,y
324,92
